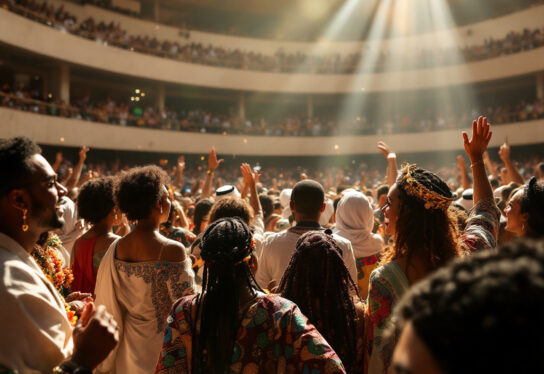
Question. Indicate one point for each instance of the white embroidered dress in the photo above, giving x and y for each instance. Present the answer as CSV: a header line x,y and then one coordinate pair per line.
x,y
139,295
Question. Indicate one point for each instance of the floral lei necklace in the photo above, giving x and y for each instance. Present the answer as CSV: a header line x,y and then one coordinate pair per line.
x,y
48,259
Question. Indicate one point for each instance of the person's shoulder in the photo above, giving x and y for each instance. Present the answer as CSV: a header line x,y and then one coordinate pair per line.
x,y
173,251
340,240
276,237
18,277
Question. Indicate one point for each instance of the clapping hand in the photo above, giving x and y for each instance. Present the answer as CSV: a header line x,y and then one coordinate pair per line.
x,y
213,162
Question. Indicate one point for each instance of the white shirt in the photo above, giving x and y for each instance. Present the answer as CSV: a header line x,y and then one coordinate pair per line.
x,y
279,248
35,333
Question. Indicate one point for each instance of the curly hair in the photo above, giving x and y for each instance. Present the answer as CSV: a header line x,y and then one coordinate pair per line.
x,y
480,308
318,281
139,189
232,207
226,244
532,202
14,158
430,233
95,199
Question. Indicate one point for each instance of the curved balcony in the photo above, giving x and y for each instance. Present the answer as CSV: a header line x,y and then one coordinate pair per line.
x,y
37,38
72,132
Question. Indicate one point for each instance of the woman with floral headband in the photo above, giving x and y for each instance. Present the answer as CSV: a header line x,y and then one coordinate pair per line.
x,y
425,238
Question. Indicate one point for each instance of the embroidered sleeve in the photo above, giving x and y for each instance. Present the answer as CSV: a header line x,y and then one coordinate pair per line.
x,y
182,281
310,352
482,226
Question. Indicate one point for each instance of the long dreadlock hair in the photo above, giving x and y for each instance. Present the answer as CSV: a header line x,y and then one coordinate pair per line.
x,y
432,233
318,281
226,246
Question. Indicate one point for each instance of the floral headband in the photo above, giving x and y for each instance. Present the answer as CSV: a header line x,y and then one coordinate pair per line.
x,y
432,199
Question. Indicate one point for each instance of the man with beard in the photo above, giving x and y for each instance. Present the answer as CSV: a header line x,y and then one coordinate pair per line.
x,y
36,334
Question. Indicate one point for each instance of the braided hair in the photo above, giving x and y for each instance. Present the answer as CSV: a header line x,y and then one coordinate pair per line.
x,y
226,245
431,233
318,281
532,202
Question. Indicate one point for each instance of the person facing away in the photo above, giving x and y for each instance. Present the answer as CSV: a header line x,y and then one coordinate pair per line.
x,y
143,273
232,326
95,205
307,203
481,314
36,333
318,281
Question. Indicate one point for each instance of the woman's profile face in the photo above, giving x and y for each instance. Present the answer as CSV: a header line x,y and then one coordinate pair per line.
x,y
391,210
516,221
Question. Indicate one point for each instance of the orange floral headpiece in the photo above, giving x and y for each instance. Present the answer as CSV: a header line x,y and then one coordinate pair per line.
x,y
432,199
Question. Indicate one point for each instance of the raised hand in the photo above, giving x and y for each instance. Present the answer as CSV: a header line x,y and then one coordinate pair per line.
x,y
247,174
213,162
504,152
83,153
461,164
384,149
181,163
481,135
59,158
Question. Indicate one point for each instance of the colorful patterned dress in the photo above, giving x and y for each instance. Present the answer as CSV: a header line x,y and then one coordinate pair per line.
x,y
388,283
274,337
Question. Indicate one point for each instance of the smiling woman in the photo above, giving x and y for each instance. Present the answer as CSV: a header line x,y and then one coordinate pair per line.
x,y
425,238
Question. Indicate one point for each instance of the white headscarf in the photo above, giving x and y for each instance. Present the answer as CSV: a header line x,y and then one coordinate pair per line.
x,y
354,221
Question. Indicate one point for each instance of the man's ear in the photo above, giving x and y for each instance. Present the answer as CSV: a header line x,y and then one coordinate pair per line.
x,y
292,205
16,199
323,208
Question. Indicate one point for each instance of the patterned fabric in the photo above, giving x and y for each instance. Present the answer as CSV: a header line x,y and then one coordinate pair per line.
x,y
482,226
388,283
274,337
365,265
158,274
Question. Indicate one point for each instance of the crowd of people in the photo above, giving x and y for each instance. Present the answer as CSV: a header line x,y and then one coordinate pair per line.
x,y
113,34
137,114
180,269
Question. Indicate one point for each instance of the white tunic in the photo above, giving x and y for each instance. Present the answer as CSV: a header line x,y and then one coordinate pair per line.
x,y
35,335
139,295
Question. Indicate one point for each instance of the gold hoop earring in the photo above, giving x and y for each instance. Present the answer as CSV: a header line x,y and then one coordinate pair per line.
x,y
24,227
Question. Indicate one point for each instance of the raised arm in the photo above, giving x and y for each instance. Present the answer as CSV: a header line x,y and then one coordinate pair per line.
x,y
178,182
74,178
250,183
513,173
465,180
392,167
58,161
475,148
213,163
490,166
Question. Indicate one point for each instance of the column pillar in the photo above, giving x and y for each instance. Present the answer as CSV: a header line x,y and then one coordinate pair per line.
x,y
161,95
58,83
310,105
540,85
242,106
156,10
64,83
